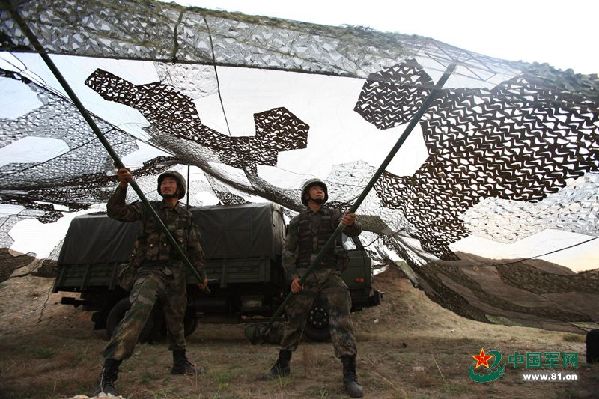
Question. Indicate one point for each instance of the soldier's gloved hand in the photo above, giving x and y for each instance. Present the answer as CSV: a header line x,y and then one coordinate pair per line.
x,y
348,219
124,176
295,285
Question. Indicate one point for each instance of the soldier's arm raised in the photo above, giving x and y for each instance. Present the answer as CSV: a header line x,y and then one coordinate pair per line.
x,y
351,227
116,207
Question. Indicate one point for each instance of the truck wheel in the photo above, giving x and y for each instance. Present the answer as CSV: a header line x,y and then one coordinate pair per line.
x,y
117,313
317,325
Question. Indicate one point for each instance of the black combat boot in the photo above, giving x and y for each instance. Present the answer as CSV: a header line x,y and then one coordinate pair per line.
x,y
108,377
350,381
183,366
281,367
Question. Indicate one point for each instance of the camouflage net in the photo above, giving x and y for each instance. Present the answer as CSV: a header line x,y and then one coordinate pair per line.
x,y
174,114
504,138
520,141
156,31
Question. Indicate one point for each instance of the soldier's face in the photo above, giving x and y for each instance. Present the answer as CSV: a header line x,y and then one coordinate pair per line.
x,y
168,187
316,194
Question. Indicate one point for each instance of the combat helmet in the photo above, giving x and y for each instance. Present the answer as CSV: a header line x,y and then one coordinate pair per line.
x,y
314,182
181,185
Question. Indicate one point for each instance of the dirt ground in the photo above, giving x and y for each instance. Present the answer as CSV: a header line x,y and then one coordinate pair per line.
x,y
409,347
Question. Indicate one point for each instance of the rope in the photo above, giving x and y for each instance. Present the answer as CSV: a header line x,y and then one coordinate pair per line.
x,y
222,105
547,253
220,97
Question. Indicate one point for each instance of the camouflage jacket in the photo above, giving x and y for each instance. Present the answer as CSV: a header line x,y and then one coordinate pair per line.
x,y
307,234
152,245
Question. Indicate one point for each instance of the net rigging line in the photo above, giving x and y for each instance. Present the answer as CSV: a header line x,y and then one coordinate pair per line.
x,y
220,97
381,236
548,253
27,73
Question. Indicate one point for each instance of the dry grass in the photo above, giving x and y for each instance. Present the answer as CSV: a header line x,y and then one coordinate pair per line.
x,y
416,349
574,338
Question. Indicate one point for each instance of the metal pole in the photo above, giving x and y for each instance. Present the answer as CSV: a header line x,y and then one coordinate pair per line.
x,y
415,119
86,115
187,190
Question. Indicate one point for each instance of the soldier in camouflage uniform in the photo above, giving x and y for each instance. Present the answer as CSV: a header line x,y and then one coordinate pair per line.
x,y
306,234
159,273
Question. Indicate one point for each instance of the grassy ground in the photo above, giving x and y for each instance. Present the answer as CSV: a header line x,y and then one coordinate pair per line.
x,y
409,347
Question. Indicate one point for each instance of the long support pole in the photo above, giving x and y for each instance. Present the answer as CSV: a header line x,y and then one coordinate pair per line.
x,y
415,119
187,190
86,115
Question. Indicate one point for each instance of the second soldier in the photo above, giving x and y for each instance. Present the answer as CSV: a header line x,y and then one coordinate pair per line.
x,y
306,235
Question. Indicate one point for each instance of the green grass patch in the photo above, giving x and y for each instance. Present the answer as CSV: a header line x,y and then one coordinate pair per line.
x,y
316,391
42,353
148,377
574,338
224,377
223,395
455,388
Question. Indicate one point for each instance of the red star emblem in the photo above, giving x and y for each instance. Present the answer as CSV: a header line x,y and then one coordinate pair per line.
x,y
482,359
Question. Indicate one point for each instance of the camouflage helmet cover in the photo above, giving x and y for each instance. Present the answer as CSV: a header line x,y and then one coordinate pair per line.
x,y
314,182
181,184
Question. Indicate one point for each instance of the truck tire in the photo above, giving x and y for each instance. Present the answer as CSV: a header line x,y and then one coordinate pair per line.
x,y
317,324
117,313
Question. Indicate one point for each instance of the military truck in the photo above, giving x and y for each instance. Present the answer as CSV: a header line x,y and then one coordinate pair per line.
x,y
243,247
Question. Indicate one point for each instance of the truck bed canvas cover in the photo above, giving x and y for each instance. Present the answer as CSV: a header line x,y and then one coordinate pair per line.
x,y
241,231
236,231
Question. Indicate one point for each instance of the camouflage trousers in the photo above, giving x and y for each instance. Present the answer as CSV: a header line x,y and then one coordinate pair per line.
x,y
168,285
332,290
